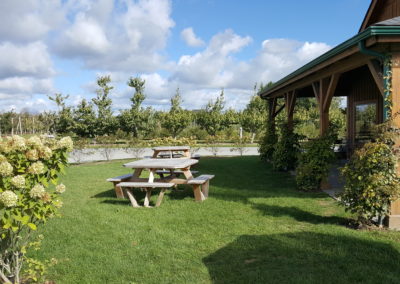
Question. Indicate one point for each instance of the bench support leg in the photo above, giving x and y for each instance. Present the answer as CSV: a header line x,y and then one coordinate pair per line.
x,y
147,197
132,199
160,197
198,195
204,189
118,190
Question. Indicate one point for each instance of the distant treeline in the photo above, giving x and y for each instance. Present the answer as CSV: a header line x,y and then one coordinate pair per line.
x,y
95,117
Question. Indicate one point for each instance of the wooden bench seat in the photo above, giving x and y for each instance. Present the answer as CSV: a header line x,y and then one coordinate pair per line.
x,y
168,155
148,186
116,181
145,184
201,185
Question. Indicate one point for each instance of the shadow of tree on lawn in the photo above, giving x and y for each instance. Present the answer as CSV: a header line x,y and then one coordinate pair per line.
x,y
241,178
304,258
299,214
105,194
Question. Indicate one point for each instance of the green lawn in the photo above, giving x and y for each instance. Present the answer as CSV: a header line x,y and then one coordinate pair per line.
x,y
254,228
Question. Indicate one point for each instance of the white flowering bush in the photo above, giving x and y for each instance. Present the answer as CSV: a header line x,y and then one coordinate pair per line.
x,y
27,169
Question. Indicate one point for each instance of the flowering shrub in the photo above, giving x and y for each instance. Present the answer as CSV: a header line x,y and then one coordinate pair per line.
x,y
286,150
371,182
27,168
315,161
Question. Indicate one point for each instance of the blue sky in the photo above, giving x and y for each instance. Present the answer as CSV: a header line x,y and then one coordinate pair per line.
x,y
199,46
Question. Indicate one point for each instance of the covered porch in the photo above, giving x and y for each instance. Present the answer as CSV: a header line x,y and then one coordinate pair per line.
x,y
365,69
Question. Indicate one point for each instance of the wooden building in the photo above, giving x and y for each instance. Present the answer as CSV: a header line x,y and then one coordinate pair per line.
x,y
364,69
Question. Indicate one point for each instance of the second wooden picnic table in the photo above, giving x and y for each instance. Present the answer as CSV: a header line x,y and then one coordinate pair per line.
x,y
171,151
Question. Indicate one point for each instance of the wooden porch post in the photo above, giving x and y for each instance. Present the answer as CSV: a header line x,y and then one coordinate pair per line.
x,y
290,101
394,218
324,90
271,110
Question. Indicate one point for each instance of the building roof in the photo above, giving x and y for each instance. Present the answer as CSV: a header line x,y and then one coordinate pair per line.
x,y
383,29
391,22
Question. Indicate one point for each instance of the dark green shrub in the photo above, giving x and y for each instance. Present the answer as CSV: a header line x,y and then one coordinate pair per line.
x,y
315,161
371,182
286,151
268,142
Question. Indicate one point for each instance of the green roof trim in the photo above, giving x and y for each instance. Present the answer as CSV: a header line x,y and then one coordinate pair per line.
x,y
369,32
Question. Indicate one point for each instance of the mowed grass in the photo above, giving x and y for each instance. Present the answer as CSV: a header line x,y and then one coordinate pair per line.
x,y
254,228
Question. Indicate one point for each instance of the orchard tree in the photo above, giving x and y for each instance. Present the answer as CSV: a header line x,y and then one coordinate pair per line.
x,y
85,119
212,118
64,122
137,120
105,121
252,118
176,119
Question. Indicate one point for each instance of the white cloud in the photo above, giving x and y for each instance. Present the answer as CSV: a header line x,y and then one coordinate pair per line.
x,y
29,20
310,50
124,37
26,85
211,67
85,37
31,59
190,38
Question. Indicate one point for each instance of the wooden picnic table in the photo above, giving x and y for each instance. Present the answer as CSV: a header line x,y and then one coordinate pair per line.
x,y
171,151
152,165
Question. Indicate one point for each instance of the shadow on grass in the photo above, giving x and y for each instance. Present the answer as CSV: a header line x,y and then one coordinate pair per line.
x,y
177,194
240,178
299,215
304,258
105,194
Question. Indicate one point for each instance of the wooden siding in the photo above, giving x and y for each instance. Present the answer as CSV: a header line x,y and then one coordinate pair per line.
x,y
362,89
390,10
382,10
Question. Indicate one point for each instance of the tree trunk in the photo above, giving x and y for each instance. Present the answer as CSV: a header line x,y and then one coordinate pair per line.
x,y
253,136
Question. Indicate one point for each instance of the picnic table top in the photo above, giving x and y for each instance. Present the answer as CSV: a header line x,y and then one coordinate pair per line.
x,y
171,148
161,164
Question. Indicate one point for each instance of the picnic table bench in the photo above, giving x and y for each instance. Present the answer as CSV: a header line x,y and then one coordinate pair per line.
x,y
116,180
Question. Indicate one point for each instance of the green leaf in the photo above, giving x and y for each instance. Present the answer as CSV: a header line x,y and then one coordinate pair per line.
x,y
32,226
25,219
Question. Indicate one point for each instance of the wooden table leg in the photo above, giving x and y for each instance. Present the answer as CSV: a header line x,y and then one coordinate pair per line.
x,y
186,154
160,197
147,197
187,173
132,199
136,173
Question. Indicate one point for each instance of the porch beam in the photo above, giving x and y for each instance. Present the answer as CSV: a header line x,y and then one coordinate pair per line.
x,y
344,56
315,86
323,114
340,67
331,90
377,74
324,90
290,100
279,110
